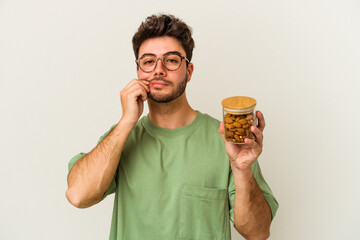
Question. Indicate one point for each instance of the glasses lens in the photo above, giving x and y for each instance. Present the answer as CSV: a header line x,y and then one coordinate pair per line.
x,y
172,61
147,63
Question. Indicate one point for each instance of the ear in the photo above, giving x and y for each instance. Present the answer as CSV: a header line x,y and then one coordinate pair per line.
x,y
137,70
189,70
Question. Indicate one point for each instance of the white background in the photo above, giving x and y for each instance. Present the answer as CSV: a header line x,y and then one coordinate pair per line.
x,y
63,64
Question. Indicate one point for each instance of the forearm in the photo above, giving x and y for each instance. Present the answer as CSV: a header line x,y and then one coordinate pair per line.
x,y
252,214
91,175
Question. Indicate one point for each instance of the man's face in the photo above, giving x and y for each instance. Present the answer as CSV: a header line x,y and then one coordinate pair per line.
x,y
165,85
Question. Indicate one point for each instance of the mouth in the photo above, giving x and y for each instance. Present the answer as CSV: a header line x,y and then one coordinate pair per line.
x,y
159,83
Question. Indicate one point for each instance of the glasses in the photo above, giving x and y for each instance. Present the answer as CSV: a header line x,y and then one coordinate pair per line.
x,y
170,61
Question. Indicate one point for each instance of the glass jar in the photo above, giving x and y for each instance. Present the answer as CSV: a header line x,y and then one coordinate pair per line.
x,y
238,116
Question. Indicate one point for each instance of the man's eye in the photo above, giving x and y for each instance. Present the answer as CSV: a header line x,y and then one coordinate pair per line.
x,y
148,62
172,60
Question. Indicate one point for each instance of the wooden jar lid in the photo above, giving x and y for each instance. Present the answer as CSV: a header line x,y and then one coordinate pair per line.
x,y
239,102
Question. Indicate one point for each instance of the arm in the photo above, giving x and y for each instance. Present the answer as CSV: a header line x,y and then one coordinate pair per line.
x,y
92,174
252,214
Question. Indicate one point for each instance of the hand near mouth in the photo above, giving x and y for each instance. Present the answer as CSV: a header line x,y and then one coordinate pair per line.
x,y
132,99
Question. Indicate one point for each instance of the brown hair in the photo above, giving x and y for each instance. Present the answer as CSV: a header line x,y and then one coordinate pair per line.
x,y
164,25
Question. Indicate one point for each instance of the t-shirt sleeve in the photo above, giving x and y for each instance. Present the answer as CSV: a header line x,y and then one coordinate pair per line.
x,y
112,187
273,204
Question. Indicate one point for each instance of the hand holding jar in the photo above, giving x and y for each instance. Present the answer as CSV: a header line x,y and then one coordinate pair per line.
x,y
241,130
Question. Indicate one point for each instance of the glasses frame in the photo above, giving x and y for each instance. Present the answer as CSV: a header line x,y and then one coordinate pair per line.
x,y
162,61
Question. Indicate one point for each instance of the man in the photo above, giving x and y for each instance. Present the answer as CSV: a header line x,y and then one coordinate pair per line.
x,y
172,174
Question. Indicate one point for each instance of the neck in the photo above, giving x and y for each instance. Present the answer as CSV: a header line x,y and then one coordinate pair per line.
x,y
174,114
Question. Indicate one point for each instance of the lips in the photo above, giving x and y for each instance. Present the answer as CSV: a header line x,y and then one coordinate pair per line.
x,y
158,84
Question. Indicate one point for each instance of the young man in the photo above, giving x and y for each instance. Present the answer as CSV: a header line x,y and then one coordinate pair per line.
x,y
172,174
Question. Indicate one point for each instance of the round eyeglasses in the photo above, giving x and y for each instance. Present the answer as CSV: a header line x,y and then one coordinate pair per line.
x,y
171,62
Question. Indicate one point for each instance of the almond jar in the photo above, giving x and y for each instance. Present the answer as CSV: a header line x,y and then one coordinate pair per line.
x,y
239,116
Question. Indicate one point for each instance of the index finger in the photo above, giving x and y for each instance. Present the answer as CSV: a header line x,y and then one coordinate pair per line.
x,y
261,120
144,81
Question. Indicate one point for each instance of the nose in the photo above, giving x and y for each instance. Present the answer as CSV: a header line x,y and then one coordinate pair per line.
x,y
160,69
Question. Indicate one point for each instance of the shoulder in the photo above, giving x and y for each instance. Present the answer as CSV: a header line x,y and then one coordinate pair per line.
x,y
209,121
209,127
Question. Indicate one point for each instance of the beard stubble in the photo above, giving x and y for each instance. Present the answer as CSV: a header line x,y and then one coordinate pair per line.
x,y
166,98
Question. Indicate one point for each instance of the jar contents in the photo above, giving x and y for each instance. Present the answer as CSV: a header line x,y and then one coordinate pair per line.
x,y
238,116
237,127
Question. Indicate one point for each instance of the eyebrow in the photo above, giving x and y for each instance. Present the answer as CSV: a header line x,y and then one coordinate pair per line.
x,y
151,54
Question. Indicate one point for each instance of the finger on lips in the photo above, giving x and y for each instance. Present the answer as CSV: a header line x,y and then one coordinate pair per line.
x,y
146,84
135,91
138,85
144,81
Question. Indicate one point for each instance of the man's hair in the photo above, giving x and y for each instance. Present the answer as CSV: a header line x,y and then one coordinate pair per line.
x,y
164,25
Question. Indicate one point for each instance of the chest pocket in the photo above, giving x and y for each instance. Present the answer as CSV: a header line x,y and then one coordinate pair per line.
x,y
203,213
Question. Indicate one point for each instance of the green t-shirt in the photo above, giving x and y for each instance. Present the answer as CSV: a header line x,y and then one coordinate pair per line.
x,y
175,183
